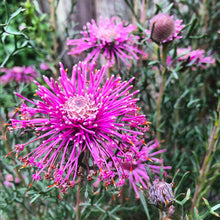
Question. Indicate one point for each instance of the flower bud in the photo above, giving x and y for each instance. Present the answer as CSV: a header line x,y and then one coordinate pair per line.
x,y
161,195
164,26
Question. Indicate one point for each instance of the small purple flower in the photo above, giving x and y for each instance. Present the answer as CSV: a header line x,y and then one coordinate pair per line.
x,y
165,28
194,57
111,37
80,121
18,74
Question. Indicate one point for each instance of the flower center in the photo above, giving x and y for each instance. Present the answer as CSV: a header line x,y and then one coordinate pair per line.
x,y
105,34
18,69
80,107
129,166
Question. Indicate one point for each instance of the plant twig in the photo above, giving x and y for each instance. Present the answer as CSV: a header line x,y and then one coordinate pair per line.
x,y
206,163
78,195
160,96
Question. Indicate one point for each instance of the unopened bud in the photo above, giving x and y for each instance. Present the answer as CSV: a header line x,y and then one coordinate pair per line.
x,y
161,195
162,26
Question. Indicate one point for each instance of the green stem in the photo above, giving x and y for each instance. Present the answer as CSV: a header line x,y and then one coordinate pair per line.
x,y
158,106
203,14
78,212
162,87
78,195
162,215
176,122
206,164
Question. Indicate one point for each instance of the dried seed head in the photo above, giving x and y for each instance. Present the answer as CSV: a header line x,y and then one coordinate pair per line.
x,y
164,26
161,194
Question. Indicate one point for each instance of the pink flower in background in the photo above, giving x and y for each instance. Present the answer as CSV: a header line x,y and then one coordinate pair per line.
x,y
82,118
18,74
165,28
111,37
44,66
194,57
9,180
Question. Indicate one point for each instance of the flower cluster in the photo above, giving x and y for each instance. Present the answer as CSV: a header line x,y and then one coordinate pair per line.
x,y
164,28
111,37
193,57
18,74
84,121
134,168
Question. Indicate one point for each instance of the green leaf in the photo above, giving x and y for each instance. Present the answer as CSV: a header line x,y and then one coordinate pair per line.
x,y
140,27
192,102
187,197
196,214
174,74
153,62
168,8
192,25
35,198
175,175
149,173
115,209
180,182
161,173
159,8
15,14
198,37
143,202
211,209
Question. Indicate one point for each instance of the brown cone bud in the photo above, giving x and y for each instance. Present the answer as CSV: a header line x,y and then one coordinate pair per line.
x,y
163,27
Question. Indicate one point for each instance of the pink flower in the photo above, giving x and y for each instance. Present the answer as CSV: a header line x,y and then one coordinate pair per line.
x,y
18,74
111,37
194,57
165,28
80,120
134,168
44,66
9,180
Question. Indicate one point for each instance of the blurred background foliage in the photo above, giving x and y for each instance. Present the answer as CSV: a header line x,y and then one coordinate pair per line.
x,y
30,34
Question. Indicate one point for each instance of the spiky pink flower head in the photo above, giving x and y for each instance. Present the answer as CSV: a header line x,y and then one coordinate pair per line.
x,y
164,28
194,57
18,74
134,168
111,37
80,120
